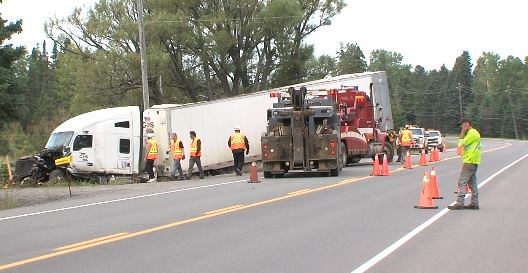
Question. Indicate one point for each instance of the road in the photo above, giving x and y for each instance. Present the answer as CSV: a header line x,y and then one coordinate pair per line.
x,y
300,223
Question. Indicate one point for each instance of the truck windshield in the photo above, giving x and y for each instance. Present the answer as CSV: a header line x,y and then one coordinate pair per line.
x,y
59,139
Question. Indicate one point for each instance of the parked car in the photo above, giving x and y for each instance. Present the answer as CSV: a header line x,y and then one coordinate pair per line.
x,y
419,140
435,139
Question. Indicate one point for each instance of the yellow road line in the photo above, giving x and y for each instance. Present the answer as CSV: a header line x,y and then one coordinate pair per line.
x,y
91,241
223,209
299,192
123,236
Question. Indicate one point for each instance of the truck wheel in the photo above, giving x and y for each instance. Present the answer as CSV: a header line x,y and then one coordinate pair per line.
x,y
342,156
334,172
267,174
58,175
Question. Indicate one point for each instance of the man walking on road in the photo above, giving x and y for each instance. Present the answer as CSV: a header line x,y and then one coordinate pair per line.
x,y
405,143
238,143
470,141
151,155
195,155
178,154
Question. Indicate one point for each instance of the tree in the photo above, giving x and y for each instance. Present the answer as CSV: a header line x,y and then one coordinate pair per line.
x,y
318,68
10,99
460,83
350,59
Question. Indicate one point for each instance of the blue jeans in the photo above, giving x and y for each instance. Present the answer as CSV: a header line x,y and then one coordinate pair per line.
x,y
176,166
468,176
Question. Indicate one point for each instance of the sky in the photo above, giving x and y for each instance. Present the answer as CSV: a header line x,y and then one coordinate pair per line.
x,y
427,33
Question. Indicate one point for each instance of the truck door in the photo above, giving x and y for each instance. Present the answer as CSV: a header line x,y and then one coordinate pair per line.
x,y
124,155
83,154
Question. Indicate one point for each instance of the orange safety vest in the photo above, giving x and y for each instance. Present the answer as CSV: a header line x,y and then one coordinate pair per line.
x,y
406,138
194,147
237,141
152,148
177,152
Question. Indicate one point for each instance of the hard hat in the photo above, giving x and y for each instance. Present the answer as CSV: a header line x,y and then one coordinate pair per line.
x,y
406,126
237,128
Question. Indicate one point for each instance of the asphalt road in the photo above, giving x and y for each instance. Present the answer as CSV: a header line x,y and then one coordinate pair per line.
x,y
300,223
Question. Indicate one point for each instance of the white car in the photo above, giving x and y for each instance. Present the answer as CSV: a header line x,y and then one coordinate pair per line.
x,y
435,139
419,139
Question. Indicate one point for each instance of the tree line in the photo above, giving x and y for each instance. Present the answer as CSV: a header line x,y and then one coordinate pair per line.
x,y
211,49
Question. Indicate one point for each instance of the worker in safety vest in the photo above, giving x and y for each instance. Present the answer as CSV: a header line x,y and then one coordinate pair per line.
x,y
151,155
238,143
195,155
178,154
470,141
405,142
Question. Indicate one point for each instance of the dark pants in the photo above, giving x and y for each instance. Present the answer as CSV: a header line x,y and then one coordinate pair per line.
x,y
468,176
149,167
238,159
192,161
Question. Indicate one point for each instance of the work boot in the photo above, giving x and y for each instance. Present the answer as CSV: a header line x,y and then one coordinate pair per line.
x,y
237,171
188,177
202,177
181,178
472,206
456,206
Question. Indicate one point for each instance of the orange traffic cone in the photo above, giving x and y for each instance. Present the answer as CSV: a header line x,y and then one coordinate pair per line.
x,y
432,157
408,163
425,201
444,148
434,185
376,168
437,154
423,161
385,167
253,177
468,190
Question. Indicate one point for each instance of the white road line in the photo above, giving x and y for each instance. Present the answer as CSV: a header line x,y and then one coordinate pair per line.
x,y
118,200
387,251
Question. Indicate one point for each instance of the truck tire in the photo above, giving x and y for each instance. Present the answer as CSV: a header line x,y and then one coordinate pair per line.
x,y
343,156
267,174
334,172
58,175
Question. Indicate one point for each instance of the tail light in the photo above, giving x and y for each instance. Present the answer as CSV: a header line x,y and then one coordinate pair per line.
x,y
265,146
265,155
332,144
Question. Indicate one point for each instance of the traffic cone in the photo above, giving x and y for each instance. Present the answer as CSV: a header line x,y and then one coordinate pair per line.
x,y
385,167
468,190
437,154
376,168
408,163
253,177
434,185
423,161
425,201
432,157
444,148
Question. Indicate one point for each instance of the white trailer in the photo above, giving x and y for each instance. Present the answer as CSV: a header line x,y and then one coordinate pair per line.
x,y
109,141
214,121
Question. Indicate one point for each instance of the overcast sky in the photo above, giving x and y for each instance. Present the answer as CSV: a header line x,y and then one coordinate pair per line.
x,y
428,33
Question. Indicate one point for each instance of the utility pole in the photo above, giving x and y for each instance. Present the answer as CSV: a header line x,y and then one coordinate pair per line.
x,y
512,114
460,101
142,49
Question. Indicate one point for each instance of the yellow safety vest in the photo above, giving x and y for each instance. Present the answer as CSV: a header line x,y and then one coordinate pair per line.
x,y
406,138
237,141
177,152
194,147
152,147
